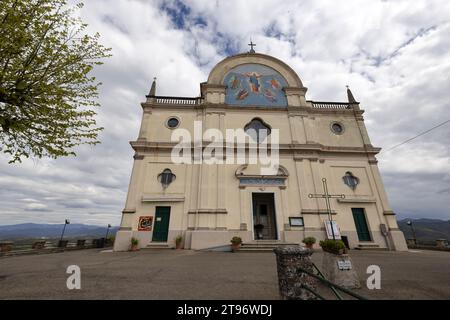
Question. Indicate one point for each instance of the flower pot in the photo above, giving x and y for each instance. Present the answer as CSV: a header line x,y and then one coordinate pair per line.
x,y
309,246
179,246
235,246
134,247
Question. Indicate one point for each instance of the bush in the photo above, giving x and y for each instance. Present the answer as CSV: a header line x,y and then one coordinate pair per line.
x,y
309,240
134,241
333,246
236,240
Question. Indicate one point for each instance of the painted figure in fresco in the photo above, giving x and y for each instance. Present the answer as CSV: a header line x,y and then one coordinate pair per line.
x,y
242,94
270,95
234,82
275,84
254,84
254,81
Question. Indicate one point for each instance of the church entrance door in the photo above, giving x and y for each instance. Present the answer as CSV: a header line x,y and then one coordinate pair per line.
x,y
361,224
162,218
264,222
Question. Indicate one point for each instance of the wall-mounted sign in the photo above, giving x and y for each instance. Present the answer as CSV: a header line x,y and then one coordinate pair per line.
x,y
344,265
145,223
296,222
336,231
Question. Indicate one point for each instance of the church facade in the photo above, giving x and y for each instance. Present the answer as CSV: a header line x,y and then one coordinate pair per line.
x,y
206,203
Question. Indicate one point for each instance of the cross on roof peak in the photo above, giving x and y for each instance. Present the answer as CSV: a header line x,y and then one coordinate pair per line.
x,y
251,44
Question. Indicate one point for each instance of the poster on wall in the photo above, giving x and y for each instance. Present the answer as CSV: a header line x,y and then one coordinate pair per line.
x,y
145,223
337,232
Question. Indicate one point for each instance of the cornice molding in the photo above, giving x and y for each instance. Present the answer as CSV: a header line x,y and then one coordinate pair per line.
x,y
300,151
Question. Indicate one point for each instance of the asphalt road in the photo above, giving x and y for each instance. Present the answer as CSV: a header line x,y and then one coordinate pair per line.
x,y
184,274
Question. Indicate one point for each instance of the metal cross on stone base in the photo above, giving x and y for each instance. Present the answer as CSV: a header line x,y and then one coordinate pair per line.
x,y
251,44
327,198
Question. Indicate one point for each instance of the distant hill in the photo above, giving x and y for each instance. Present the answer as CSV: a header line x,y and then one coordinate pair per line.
x,y
33,230
427,230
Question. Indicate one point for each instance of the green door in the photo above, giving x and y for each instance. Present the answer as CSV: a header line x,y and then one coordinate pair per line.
x,y
161,230
361,224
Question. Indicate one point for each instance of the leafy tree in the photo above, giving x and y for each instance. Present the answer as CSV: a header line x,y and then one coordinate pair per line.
x,y
47,97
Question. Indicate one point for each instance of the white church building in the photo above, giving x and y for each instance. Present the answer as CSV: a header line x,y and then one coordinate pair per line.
x,y
209,203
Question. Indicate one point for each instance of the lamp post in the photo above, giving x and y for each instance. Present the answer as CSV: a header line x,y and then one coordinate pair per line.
x,y
409,223
107,231
64,229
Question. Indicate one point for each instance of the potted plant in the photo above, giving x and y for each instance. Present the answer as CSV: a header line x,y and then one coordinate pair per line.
x,y
134,244
309,242
236,243
178,242
333,246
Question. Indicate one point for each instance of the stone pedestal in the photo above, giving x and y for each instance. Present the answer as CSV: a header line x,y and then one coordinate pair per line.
x,y
339,269
290,281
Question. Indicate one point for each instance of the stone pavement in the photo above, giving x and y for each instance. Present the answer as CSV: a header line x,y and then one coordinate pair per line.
x,y
184,274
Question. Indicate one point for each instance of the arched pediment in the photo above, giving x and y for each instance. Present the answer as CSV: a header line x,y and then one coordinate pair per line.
x,y
254,79
219,72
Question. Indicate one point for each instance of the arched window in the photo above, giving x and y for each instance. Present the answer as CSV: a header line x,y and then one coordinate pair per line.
x,y
350,180
257,129
166,177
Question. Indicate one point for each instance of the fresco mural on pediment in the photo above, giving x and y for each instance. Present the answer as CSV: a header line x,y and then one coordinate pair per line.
x,y
256,85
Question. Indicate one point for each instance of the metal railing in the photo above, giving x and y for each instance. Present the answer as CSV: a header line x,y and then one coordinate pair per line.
x,y
331,105
334,287
177,100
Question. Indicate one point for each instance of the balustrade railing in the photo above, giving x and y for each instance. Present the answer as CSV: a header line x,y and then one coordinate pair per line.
x,y
177,100
200,100
331,105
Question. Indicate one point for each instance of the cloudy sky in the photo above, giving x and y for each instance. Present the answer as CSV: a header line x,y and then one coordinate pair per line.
x,y
394,55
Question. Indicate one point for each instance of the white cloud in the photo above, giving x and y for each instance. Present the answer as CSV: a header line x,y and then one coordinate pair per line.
x,y
37,207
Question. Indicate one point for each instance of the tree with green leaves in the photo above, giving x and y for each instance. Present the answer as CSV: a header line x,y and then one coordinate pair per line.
x,y
47,94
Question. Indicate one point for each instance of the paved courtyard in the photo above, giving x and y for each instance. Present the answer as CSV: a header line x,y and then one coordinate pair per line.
x,y
172,274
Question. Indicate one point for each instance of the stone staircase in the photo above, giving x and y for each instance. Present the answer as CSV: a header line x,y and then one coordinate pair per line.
x,y
369,246
157,246
264,245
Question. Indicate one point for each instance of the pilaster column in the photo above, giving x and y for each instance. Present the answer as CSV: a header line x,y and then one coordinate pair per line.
x,y
145,122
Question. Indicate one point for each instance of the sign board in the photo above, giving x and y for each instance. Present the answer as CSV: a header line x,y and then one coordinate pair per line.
x,y
344,264
145,223
384,230
337,232
296,222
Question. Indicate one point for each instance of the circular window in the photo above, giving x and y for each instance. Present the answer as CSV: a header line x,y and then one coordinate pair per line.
x,y
337,128
173,123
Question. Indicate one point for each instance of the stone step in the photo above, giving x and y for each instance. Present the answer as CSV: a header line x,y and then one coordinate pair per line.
x,y
264,245
255,249
369,246
157,246
268,244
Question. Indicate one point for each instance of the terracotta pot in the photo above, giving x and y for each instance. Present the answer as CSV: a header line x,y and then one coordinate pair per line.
x,y
309,246
178,246
235,247
134,247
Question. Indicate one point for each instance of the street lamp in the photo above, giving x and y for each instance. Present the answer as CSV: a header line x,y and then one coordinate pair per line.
x,y
409,223
107,231
64,229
